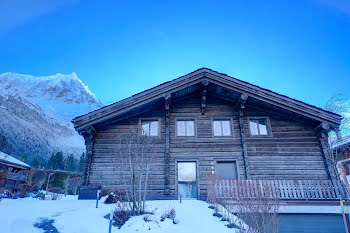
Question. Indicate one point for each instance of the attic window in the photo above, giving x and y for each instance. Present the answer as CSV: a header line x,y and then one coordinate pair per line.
x,y
259,127
150,127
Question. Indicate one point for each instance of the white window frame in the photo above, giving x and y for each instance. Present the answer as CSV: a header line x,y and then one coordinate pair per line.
x,y
268,126
150,120
186,119
222,119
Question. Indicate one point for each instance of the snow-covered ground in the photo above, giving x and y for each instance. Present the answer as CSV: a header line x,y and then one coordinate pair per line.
x,y
73,216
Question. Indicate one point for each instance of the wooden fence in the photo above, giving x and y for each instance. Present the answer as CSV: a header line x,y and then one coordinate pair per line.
x,y
278,189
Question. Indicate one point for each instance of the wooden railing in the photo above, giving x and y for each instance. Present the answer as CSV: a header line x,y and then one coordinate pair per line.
x,y
278,189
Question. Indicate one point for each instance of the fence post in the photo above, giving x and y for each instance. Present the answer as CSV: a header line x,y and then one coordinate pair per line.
x,y
110,221
97,197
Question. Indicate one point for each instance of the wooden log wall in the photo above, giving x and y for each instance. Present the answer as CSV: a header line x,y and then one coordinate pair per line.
x,y
106,166
291,152
204,148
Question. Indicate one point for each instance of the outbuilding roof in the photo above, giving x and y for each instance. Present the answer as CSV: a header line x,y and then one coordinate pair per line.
x,y
12,161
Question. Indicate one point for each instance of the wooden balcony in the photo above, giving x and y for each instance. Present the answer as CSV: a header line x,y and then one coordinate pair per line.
x,y
286,190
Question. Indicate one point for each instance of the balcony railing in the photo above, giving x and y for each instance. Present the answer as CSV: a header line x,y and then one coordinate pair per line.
x,y
278,189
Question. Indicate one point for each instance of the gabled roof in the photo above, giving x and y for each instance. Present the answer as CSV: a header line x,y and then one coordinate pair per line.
x,y
12,161
195,77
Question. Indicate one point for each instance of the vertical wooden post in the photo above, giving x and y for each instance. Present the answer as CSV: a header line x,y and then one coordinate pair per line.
x,y
241,104
3,175
167,143
89,136
204,88
322,134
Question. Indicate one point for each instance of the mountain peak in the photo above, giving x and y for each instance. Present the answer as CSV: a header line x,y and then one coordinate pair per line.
x,y
38,111
60,87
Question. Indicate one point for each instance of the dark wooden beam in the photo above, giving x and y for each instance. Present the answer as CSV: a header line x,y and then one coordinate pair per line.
x,y
167,100
204,89
322,131
240,106
3,175
89,135
241,101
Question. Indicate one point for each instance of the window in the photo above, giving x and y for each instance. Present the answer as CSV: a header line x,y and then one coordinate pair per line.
x,y
185,127
150,127
226,169
222,127
259,127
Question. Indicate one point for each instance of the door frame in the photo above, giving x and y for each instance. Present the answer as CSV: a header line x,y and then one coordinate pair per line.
x,y
196,160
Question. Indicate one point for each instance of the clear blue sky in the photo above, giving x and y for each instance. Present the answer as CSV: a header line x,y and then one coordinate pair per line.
x,y
118,48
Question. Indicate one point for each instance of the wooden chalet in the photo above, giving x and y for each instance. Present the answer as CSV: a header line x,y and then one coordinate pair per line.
x,y
210,123
9,168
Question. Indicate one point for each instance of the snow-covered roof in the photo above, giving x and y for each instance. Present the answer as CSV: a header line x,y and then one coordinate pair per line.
x,y
8,159
343,142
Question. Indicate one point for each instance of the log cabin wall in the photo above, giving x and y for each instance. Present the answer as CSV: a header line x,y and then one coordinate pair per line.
x,y
203,148
291,152
106,167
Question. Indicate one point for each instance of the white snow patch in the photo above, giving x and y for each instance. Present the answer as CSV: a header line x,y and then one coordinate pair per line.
x,y
73,216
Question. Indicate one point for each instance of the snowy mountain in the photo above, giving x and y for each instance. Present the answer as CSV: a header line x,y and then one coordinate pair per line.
x,y
35,113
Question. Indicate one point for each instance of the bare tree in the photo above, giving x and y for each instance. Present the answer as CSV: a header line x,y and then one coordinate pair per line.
x,y
257,206
338,104
49,179
74,183
134,149
66,185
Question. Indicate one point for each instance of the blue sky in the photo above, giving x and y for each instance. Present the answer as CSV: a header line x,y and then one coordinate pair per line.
x,y
118,48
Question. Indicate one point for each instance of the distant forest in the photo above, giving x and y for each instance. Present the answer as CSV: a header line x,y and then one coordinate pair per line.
x,y
57,161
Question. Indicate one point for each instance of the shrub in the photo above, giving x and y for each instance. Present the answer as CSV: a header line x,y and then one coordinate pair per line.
x,y
115,196
59,177
147,218
121,214
170,214
38,178
55,193
56,190
25,189
104,192
41,196
74,183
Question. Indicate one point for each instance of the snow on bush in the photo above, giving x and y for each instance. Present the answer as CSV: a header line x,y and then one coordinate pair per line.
x,y
55,193
25,189
114,196
170,214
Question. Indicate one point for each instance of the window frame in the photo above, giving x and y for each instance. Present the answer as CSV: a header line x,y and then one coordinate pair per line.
x,y
227,160
268,126
186,119
150,119
230,119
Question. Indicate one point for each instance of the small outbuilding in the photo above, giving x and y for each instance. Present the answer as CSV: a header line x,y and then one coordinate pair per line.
x,y
9,168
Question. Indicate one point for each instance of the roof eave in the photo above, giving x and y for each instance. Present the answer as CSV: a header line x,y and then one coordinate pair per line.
x,y
235,84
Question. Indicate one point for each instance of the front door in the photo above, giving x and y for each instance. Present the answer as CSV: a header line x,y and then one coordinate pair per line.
x,y
187,180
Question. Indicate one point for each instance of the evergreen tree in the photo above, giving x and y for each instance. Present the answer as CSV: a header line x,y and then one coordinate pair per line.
x,y
56,161
24,158
35,163
81,163
71,163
